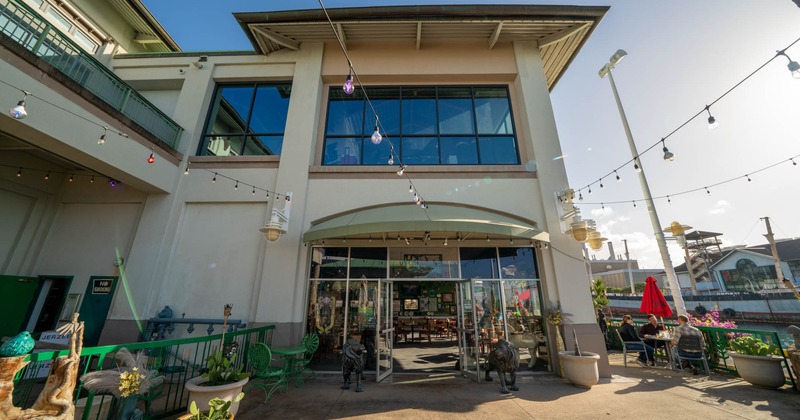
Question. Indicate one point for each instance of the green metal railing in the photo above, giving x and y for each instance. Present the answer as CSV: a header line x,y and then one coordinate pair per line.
x,y
30,30
177,360
717,343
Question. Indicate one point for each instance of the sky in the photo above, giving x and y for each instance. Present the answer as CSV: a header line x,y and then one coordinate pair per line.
x,y
682,55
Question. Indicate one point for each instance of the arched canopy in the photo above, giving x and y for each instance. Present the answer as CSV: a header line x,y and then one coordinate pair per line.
x,y
436,218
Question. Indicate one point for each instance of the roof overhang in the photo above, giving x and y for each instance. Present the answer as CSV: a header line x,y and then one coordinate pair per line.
x,y
560,31
148,30
437,219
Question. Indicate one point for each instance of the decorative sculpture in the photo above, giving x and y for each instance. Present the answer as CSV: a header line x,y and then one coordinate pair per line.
x,y
504,359
55,402
793,352
18,345
352,362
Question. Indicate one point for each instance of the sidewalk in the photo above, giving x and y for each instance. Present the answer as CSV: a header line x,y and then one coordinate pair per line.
x,y
632,393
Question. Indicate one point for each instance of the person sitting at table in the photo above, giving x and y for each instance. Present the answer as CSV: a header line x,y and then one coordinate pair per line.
x,y
628,334
650,329
685,330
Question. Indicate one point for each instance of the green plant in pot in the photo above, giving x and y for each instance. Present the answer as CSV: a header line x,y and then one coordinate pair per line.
x,y
219,409
221,369
757,362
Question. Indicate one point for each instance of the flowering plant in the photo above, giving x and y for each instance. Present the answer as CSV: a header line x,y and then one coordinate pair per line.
x,y
554,317
752,346
711,319
127,379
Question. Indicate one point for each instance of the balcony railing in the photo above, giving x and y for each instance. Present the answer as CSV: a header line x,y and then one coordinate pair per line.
x,y
177,360
27,28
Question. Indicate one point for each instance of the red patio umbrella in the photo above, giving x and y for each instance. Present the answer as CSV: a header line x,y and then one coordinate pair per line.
x,y
653,301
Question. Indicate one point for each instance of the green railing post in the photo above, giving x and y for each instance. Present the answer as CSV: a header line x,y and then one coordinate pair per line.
x,y
41,38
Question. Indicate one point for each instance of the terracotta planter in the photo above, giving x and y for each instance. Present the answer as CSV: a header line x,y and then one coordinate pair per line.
x,y
201,395
581,371
763,371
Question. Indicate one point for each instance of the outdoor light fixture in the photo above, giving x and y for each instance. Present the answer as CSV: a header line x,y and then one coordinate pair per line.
x,y
19,112
391,159
47,176
617,175
19,172
612,62
580,229
636,166
348,87
186,171
152,158
793,66
102,140
401,170
376,135
712,122
595,240
279,221
668,156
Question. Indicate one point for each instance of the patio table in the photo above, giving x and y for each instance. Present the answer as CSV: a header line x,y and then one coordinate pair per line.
x,y
667,340
289,354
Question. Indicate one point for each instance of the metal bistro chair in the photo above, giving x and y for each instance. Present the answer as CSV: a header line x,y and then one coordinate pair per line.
x,y
691,344
634,344
311,342
265,376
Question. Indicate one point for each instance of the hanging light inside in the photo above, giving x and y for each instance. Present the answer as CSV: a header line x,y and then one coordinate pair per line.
x,y
668,156
712,122
102,140
152,158
348,87
376,135
19,112
401,170
793,66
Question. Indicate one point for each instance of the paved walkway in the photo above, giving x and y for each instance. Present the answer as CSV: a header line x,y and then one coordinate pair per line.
x,y
632,393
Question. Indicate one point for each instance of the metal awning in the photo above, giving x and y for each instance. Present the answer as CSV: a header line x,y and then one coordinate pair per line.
x,y
437,218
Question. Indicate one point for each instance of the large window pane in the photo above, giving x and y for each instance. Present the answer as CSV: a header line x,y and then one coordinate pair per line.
x,y
263,145
342,151
270,108
458,150
478,263
376,154
329,263
387,105
419,111
498,150
517,263
420,151
368,263
493,111
345,113
455,111
231,110
428,262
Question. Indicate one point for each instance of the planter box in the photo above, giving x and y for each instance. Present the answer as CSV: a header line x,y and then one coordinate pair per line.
x,y
581,371
763,371
203,394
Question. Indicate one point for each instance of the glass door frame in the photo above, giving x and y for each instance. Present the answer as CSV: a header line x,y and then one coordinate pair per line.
x,y
464,340
384,336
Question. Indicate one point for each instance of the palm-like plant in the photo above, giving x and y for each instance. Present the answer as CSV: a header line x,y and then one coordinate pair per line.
x,y
128,378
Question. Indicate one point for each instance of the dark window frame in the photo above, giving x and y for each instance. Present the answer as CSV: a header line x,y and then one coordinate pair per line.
x,y
397,138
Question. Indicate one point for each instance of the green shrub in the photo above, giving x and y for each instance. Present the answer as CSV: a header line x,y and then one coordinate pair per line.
x,y
222,371
752,346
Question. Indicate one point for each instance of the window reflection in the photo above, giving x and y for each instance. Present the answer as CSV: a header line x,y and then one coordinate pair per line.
x,y
478,263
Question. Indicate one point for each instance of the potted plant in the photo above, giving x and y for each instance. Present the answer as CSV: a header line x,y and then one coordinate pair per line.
x,y
757,362
219,409
222,380
580,368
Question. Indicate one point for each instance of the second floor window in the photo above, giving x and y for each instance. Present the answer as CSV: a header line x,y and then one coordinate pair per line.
x,y
428,125
246,119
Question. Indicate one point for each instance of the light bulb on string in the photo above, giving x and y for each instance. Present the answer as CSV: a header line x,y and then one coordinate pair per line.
x,y
793,66
602,206
267,195
617,175
601,183
254,191
214,180
707,191
348,87
391,159
669,200
111,182
47,176
152,158
712,122
748,178
19,172
668,156
410,188
401,170
634,203
636,166
91,181
19,112
186,170
793,162
102,140
580,196
376,135
590,190
71,177
236,187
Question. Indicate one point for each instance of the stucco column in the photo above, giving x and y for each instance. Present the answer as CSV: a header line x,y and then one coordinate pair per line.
x,y
563,269
281,297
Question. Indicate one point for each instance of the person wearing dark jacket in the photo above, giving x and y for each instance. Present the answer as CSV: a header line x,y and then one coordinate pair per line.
x,y
628,334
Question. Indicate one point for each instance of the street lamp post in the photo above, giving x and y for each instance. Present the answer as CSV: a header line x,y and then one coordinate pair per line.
x,y
672,279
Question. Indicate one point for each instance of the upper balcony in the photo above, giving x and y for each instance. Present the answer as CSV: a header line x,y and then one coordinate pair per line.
x,y
34,35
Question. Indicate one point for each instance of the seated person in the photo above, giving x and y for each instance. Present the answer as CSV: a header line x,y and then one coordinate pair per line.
x,y
651,328
685,330
628,334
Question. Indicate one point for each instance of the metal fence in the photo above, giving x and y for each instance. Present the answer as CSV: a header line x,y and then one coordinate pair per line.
x,y
30,30
177,360
718,344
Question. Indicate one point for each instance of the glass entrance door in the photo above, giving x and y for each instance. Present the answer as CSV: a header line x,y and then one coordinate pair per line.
x,y
469,356
384,334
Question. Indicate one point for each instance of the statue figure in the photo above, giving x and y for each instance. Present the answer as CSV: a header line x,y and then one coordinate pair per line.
x,y
504,359
352,362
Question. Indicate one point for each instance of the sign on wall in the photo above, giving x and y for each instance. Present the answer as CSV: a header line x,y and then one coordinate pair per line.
x,y
102,286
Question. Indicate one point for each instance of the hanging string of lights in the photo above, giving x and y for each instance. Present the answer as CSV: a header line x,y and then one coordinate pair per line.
x,y
20,111
793,67
379,133
705,188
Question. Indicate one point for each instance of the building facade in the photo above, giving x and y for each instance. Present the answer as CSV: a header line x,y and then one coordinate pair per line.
x,y
200,149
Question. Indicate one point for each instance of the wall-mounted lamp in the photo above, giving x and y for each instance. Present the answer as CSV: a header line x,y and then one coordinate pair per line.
x,y
200,61
279,221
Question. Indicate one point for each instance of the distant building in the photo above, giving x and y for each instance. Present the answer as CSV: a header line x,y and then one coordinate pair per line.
x,y
614,270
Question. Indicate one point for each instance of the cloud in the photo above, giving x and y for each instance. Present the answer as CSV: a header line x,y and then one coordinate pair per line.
x,y
603,212
721,207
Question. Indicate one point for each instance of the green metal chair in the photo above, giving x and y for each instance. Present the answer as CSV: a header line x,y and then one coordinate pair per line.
x,y
263,375
311,342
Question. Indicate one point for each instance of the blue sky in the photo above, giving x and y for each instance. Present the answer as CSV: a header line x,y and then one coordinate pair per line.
x,y
682,55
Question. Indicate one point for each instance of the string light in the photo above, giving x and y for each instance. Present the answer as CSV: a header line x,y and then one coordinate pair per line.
x,y
186,170
348,87
668,156
601,183
712,122
19,172
19,112
152,158
590,190
92,180
47,176
793,162
634,203
636,166
254,191
71,177
669,200
580,196
707,191
793,66
748,178
214,180
617,175
102,140
376,136
391,159
401,170
236,187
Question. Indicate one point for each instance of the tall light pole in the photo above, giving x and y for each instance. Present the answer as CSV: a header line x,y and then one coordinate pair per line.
x,y
672,279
